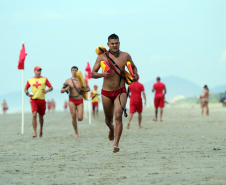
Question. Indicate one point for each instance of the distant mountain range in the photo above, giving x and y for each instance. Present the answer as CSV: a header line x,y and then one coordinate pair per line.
x,y
176,87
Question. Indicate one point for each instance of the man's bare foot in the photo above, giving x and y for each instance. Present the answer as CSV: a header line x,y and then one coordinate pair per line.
x,y
35,135
140,126
111,133
155,119
127,126
161,120
76,135
116,149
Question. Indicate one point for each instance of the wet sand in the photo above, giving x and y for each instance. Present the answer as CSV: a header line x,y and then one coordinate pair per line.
x,y
183,149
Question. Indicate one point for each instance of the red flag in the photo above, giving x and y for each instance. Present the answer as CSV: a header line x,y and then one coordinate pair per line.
x,y
88,70
22,58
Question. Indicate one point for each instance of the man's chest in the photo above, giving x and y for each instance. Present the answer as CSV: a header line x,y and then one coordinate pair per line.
x,y
119,61
36,83
74,83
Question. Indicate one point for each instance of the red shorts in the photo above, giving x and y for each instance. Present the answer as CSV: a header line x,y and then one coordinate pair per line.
x,y
38,105
95,105
136,107
113,94
159,102
76,102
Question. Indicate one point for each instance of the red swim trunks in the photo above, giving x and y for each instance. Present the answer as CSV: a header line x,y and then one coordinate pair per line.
x,y
159,102
38,105
136,107
76,102
113,94
95,105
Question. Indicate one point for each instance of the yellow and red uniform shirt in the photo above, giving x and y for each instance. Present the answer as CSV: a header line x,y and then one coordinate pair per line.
x,y
96,98
37,84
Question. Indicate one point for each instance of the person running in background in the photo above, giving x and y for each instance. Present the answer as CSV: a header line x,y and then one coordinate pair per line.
x,y
38,104
65,105
160,90
204,100
4,107
49,105
73,87
95,99
53,105
136,89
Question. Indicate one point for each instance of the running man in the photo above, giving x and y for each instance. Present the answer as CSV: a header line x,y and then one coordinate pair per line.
x,y
204,99
53,105
73,87
65,105
159,99
38,104
95,99
4,107
113,88
49,105
136,89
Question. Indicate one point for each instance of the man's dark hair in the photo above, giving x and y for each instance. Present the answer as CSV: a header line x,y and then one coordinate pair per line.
x,y
205,86
74,67
158,78
113,36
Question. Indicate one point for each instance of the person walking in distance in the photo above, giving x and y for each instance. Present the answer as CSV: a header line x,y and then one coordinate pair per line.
x,y
159,100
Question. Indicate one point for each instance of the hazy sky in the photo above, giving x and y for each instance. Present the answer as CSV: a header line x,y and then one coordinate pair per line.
x,y
184,38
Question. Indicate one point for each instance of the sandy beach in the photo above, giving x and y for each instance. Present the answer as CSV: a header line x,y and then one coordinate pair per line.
x,y
183,149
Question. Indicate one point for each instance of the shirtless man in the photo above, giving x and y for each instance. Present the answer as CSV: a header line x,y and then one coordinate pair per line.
x,y
72,85
38,104
159,99
4,107
112,90
204,100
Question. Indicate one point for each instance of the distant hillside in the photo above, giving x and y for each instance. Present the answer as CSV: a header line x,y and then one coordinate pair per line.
x,y
175,86
218,89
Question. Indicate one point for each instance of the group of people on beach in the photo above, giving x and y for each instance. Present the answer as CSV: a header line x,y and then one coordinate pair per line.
x,y
113,94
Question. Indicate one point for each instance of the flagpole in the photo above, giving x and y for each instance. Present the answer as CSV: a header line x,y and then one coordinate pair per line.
x,y
89,106
22,125
89,112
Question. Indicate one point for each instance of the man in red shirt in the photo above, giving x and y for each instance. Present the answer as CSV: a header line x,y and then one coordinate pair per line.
x,y
136,101
158,88
37,95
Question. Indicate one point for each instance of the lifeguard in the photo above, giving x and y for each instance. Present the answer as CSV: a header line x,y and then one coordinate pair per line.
x,y
38,104
95,100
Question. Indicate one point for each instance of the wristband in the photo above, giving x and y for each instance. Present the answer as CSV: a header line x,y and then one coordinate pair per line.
x,y
27,93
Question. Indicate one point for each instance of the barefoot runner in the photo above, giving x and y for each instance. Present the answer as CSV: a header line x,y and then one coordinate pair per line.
x,y
38,104
73,87
113,88
95,99
136,89
159,99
